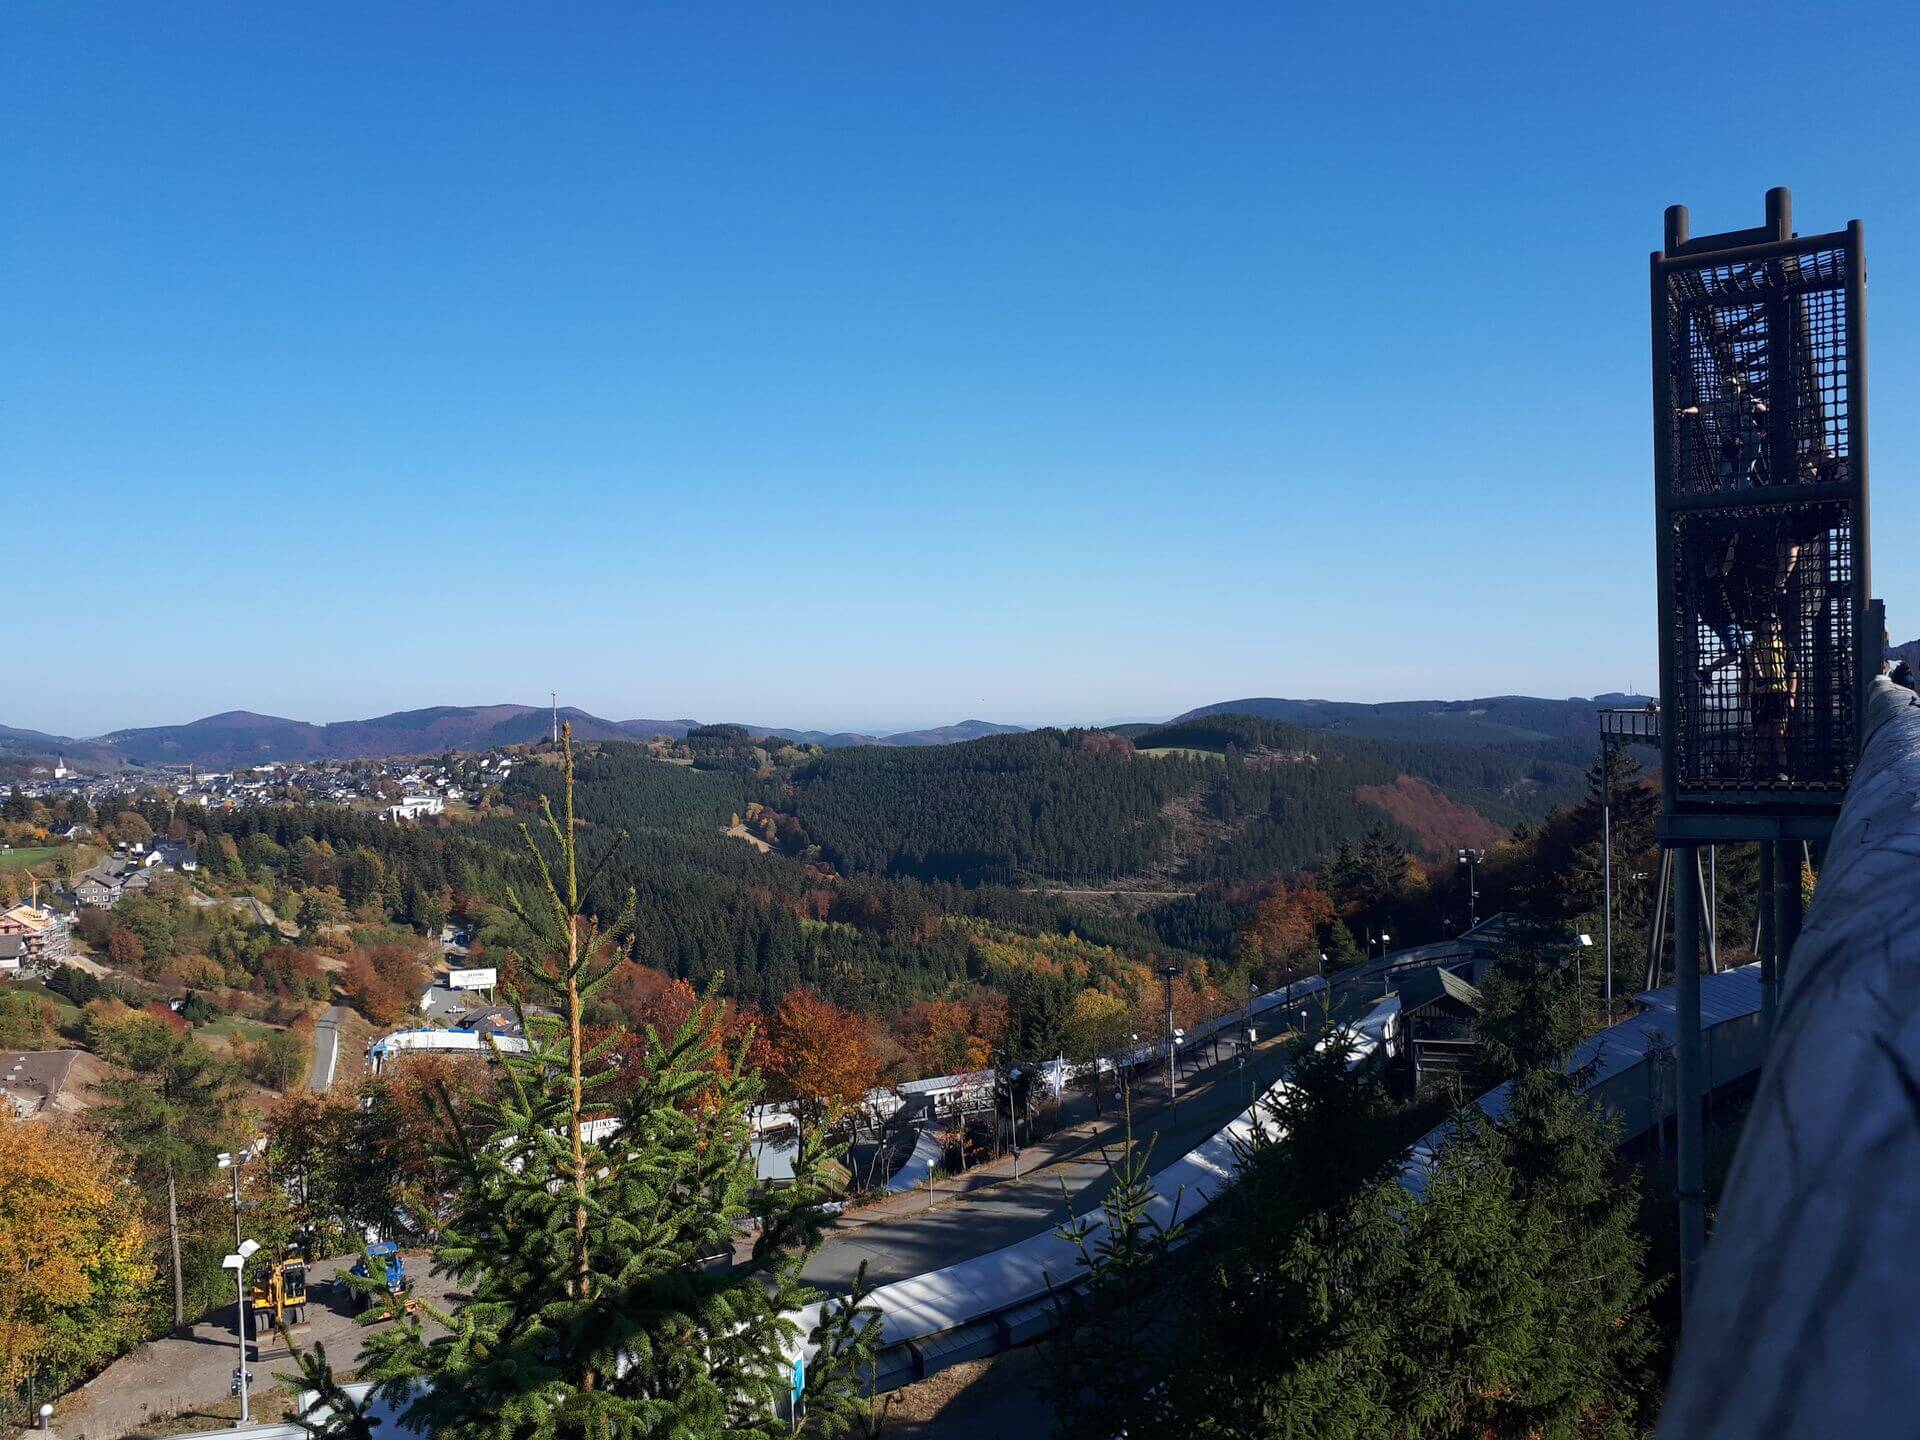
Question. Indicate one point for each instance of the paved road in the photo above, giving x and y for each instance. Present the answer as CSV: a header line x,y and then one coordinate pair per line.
x,y
901,1237
326,1049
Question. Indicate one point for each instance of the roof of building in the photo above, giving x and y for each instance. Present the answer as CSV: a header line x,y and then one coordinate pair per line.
x,y
32,1079
1424,987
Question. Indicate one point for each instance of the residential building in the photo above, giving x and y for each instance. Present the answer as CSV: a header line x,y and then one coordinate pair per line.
x,y
43,933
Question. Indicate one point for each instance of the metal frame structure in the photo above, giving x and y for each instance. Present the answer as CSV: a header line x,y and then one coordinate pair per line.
x,y
1618,727
1767,647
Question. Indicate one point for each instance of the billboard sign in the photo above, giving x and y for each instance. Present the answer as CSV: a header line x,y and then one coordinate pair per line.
x,y
483,979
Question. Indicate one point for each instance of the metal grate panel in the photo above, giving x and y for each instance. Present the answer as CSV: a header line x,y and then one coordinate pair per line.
x,y
1763,637
1757,372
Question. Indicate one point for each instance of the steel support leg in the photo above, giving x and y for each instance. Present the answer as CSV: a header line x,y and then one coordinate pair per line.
x,y
1787,906
1688,1066
1767,944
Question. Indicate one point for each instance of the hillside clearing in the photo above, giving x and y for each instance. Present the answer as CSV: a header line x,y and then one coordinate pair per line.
x,y
31,855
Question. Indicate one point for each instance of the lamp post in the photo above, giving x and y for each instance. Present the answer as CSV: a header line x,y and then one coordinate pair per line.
x,y
1013,1124
231,1162
237,1262
1167,972
1583,941
1471,859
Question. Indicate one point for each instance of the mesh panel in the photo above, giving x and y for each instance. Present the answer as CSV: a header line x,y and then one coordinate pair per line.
x,y
1757,355
1763,649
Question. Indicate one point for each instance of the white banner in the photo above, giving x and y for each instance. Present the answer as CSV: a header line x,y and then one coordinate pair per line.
x,y
472,979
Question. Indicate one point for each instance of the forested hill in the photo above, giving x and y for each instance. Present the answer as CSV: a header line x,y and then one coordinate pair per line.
x,y
1220,798
1516,724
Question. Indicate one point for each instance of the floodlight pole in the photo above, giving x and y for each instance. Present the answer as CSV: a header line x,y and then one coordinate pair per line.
x,y
1687,1129
1606,859
1167,972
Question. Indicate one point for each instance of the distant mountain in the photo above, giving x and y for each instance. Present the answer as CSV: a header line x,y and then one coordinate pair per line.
x,y
939,735
953,734
242,737
647,729
37,745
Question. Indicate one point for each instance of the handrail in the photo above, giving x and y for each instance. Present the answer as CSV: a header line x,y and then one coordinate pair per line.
x,y
1803,1322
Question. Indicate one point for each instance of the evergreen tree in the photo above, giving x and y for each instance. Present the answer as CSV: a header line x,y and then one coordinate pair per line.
x,y
589,1306
1110,1351
1311,1238
170,1110
1591,1331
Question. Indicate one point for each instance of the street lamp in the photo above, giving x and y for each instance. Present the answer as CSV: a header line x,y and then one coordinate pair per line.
x,y
1583,941
237,1262
1471,859
1013,1124
233,1161
1167,972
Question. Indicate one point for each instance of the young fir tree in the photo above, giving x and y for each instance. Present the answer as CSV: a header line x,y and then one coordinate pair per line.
x,y
582,1235
1291,1337
1110,1350
1592,1332
171,1106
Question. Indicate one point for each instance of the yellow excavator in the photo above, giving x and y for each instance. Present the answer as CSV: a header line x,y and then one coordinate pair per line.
x,y
279,1296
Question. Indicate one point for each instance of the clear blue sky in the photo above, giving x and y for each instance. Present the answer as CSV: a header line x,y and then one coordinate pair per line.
x,y
880,365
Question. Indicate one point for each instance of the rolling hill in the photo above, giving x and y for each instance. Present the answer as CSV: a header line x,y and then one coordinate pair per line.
x,y
242,737
1562,730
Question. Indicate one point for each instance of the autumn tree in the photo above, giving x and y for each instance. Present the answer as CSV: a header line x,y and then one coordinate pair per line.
x,y
822,1058
311,1142
1282,942
949,1037
26,1021
399,1161
74,1262
384,982
124,948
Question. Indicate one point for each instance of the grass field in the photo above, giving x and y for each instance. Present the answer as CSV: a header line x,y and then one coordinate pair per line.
x,y
1188,752
235,1025
31,855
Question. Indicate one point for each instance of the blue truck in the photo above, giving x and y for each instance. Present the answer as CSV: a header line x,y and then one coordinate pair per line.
x,y
393,1271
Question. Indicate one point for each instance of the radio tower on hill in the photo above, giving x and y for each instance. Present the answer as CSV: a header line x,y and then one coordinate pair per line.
x,y
554,696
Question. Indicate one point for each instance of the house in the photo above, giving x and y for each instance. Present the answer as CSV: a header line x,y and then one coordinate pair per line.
x,y
43,933
13,953
412,807
100,887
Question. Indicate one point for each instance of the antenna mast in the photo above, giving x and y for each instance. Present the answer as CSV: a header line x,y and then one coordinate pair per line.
x,y
554,696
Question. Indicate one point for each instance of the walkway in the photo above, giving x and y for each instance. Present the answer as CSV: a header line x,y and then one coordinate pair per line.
x,y
326,1049
183,1373
987,1209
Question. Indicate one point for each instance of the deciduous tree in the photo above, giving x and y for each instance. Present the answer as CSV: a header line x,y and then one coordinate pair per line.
x,y
821,1059
73,1253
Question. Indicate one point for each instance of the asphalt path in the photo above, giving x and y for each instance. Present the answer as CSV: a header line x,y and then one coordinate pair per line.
x,y
326,1049
903,1237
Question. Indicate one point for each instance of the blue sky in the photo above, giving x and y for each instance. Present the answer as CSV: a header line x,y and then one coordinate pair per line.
x,y
874,366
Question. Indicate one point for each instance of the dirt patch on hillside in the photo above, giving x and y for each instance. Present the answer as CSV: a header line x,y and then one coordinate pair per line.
x,y
1441,823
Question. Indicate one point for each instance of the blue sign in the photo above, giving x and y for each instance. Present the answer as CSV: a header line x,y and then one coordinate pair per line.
x,y
799,1380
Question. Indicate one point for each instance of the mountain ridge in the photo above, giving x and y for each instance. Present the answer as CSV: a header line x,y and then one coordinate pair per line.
x,y
232,738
